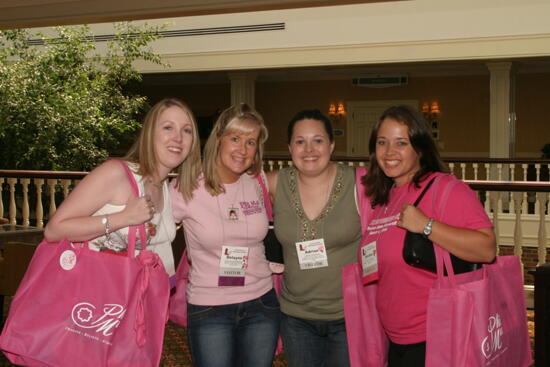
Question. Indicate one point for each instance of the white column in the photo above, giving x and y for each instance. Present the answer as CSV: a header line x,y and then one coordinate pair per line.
x,y
243,87
500,124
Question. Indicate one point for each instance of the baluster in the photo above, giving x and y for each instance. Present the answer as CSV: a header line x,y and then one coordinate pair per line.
x,y
537,207
39,182
487,203
487,171
289,163
537,168
280,164
475,166
499,170
51,189
512,172
452,167
542,198
65,184
361,164
12,208
524,166
525,203
1,198
494,198
270,165
518,236
500,201
463,170
351,164
25,210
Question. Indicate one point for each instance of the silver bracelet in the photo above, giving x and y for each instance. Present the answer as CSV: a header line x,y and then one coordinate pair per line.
x,y
105,221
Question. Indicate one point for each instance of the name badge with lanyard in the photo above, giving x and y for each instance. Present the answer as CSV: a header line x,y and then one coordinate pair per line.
x,y
233,264
369,257
369,263
312,254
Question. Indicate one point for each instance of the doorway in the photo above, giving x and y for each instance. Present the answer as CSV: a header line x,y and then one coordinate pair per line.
x,y
362,116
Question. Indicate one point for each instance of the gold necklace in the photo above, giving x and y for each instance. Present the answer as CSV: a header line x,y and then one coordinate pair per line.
x,y
157,185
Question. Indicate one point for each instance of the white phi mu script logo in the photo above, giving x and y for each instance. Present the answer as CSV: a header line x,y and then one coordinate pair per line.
x,y
492,346
102,322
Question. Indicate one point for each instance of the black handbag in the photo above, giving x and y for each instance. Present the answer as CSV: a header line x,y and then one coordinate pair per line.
x,y
418,250
273,248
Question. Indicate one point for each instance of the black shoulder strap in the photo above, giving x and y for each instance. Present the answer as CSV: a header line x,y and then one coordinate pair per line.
x,y
424,191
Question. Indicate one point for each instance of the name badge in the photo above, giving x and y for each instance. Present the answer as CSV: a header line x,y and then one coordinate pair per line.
x,y
369,263
233,264
312,254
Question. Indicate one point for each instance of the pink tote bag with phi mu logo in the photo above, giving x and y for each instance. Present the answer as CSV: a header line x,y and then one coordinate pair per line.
x,y
77,307
478,319
367,341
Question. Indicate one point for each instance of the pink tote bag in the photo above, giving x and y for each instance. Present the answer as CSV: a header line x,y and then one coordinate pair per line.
x,y
178,301
367,341
79,307
478,318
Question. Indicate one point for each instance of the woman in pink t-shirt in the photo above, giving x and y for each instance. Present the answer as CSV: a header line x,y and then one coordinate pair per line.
x,y
233,312
403,160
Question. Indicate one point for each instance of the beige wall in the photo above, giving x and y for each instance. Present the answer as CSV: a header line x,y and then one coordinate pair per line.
x,y
533,113
464,122
464,103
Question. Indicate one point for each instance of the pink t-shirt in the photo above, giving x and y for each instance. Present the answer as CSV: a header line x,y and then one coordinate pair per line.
x,y
403,289
234,218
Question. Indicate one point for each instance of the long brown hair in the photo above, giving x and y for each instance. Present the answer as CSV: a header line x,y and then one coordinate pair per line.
x,y
378,185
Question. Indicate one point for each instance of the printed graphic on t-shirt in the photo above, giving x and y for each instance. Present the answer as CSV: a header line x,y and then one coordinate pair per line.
x,y
381,225
250,207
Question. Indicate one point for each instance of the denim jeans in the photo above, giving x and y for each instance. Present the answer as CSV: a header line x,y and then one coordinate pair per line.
x,y
314,343
235,335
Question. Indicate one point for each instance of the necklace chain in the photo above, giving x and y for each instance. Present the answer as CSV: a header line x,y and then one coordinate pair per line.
x,y
309,227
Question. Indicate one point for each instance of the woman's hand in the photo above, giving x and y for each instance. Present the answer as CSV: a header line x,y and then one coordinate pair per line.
x,y
139,210
475,245
412,219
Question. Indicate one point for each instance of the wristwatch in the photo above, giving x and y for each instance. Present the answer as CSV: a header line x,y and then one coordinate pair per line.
x,y
428,228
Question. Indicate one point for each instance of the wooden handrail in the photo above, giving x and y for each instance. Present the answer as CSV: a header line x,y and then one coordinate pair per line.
x,y
64,175
523,186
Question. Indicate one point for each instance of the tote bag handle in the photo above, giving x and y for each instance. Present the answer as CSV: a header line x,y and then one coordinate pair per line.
x,y
132,230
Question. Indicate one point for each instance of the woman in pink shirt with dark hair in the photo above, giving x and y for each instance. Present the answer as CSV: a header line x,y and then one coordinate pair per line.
x,y
403,160
233,312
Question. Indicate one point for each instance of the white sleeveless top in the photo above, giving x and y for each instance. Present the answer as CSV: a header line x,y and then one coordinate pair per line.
x,y
160,243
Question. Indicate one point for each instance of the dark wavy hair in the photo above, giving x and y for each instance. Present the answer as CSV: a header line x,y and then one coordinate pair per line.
x,y
378,185
312,115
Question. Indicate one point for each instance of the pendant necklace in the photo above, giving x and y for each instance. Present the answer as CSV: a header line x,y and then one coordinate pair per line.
x,y
232,212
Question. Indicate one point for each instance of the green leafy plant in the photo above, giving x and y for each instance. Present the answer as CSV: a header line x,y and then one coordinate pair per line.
x,y
63,104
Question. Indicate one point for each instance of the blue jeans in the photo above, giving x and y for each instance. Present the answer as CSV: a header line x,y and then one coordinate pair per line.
x,y
314,343
235,335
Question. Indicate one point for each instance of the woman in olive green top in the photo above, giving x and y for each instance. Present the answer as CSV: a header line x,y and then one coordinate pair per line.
x,y
317,222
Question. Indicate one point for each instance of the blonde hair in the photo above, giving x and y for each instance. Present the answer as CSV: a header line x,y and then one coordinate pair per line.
x,y
240,118
143,150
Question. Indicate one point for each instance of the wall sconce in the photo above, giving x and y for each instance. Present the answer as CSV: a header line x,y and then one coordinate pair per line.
x,y
336,112
431,114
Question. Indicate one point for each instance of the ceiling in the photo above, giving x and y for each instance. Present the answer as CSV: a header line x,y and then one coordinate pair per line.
x,y
41,13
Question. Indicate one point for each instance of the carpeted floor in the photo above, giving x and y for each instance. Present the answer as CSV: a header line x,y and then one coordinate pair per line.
x,y
176,353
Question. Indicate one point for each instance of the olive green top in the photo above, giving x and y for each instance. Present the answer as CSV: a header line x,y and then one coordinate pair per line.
x,y
316,294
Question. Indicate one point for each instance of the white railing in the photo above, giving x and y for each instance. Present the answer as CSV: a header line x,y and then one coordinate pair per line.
x,y
500,169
